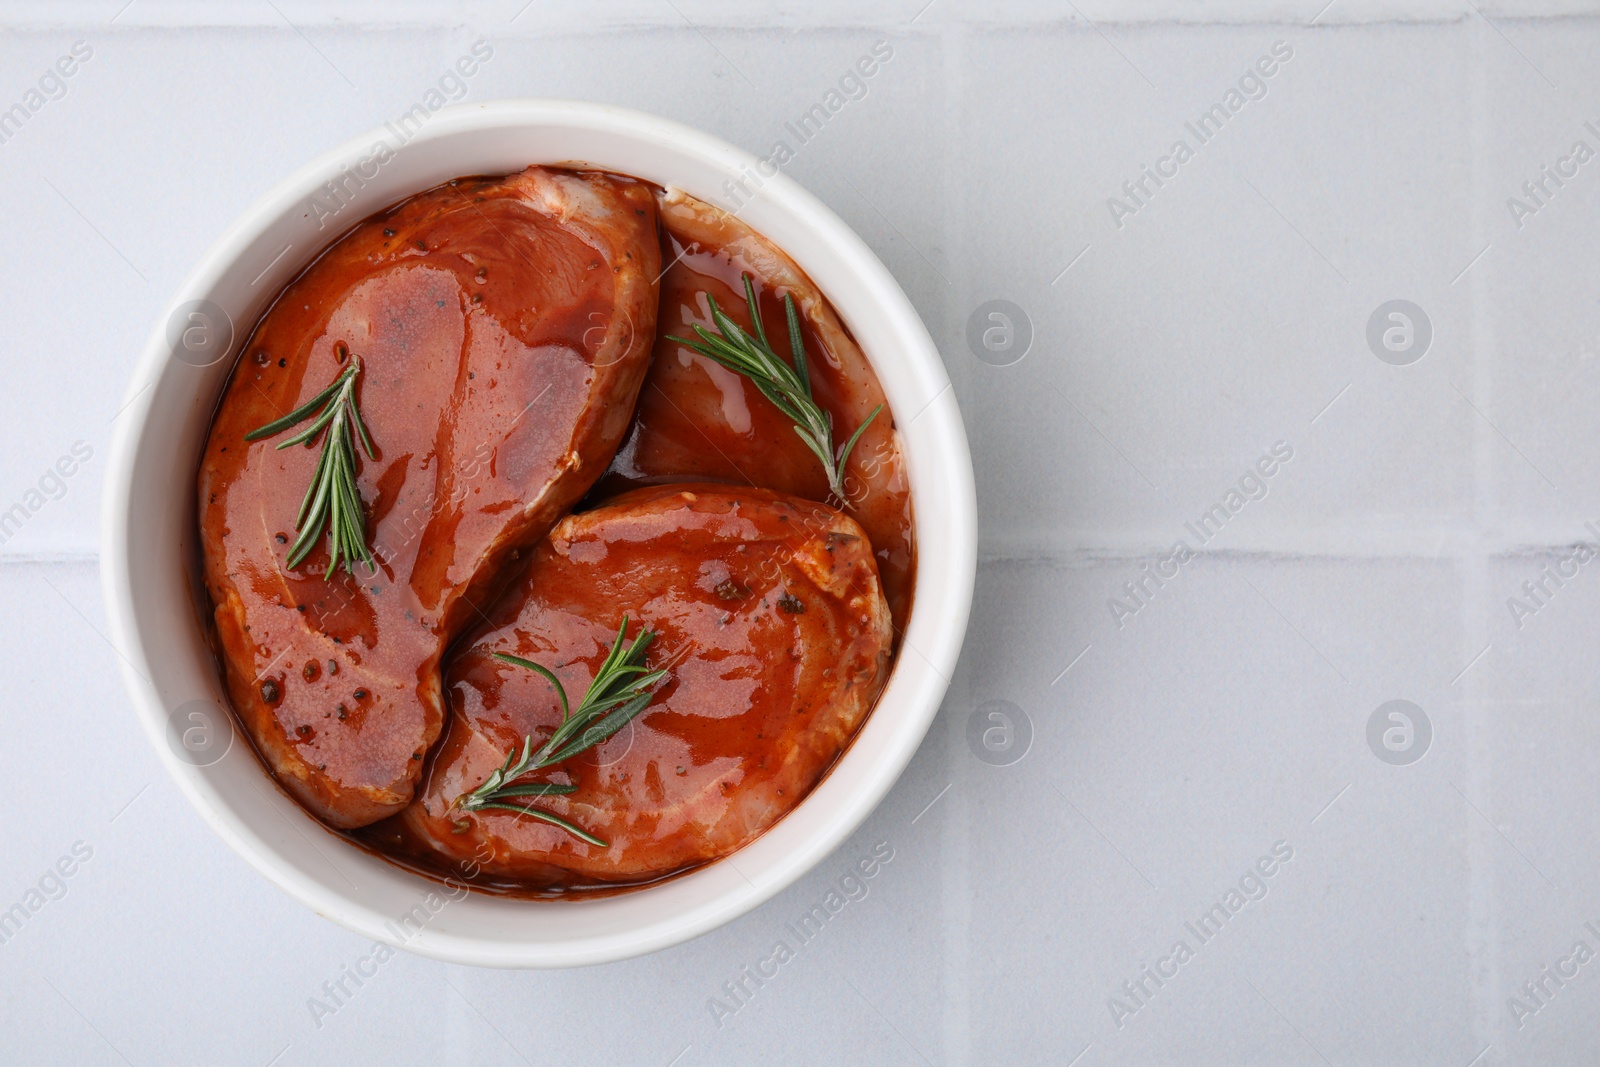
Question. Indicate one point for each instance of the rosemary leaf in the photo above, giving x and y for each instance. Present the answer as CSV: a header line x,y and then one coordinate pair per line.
x,y
622,688
787,386
536,789
333,500
576,831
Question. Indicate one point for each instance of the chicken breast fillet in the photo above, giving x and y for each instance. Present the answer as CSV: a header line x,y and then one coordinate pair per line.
x,y
699,420
503,326
776,637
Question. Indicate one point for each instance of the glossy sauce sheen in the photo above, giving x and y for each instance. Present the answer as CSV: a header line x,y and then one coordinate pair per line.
x,y
777,637
504,326
699,420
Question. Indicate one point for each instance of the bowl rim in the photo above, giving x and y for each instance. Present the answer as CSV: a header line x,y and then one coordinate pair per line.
x,y
945,521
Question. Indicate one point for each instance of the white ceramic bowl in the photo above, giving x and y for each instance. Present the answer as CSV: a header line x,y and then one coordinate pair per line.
x,y
149,550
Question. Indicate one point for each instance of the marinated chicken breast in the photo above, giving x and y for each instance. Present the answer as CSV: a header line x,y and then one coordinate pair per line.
x,y
776,637
699,420
504,327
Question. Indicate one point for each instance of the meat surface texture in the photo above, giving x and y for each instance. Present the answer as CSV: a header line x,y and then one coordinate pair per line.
x,y
776,637
504,327
699,420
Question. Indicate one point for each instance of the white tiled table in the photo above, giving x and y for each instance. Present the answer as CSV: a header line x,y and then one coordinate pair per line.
x,y
1171,747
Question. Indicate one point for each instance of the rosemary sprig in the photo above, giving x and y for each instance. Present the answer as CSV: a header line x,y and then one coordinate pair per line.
x,y
332,502
620,691
788,387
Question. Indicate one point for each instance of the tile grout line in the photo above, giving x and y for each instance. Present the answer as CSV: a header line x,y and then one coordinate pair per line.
x,y
1482,893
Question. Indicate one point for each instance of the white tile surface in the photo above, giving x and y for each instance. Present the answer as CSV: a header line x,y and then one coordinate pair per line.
x,y
1168,753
